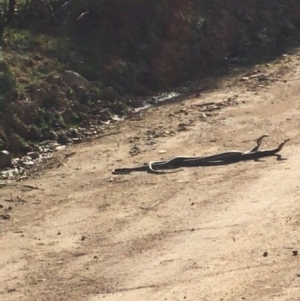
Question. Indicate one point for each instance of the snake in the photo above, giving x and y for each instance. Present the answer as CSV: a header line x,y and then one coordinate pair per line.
x,y
174,163
218,159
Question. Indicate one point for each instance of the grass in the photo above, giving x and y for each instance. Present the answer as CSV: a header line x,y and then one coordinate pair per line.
x,y
31,58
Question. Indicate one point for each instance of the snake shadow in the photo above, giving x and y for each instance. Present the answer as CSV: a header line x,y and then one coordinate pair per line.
x,y
278,158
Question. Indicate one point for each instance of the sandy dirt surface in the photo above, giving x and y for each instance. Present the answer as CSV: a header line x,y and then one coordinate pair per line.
x,y
215,233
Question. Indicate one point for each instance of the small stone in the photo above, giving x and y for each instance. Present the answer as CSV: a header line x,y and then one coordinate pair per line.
x,y
295,253
83,238
5,159
265,254
39,95
16,143
52,136
63,139
76,140
60,147
54,79
182,127
110,93
89,133
262,77
74,133
162,152
33,155
27,163
5,216
135,150
73,77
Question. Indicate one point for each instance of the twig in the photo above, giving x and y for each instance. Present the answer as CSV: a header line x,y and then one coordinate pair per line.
x,y
107,134
151,207
18,185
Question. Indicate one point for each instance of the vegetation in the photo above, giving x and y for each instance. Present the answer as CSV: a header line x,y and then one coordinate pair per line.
x,y
135,46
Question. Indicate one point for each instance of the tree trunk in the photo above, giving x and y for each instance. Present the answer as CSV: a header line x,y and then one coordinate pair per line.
x,y
11,11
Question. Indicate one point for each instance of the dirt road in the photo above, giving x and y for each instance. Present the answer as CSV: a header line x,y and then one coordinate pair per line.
x,y
216,233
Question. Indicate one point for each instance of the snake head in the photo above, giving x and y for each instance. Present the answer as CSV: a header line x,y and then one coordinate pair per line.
x,y
280,147
263,136
260,139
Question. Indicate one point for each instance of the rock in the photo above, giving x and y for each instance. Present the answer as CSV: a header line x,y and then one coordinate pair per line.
x,y
16,143
54,92
182,127
5,159
82,95
55,79
63,139
28,148
28,163
162,151
289,26
39,95
73,77
33,155
135,150
73,133
89,133
21,128
60,147
3,66
76,140
3,136
111,94
36,148
52,135
34,133
262,77
67,115
5,216
204,115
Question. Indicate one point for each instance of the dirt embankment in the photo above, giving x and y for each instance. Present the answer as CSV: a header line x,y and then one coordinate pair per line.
x,y
143,46
154,45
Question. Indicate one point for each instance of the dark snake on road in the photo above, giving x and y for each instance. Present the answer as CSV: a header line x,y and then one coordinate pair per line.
x,y
160,167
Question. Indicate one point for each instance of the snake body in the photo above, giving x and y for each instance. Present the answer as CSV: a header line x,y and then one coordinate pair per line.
x,y
160,167
184,161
